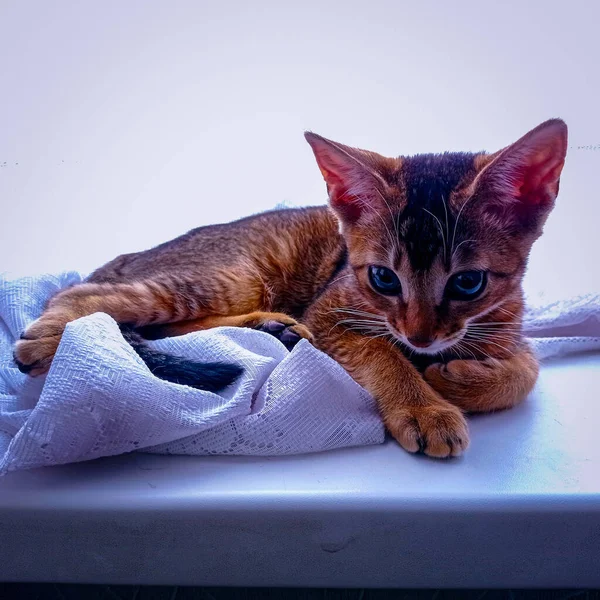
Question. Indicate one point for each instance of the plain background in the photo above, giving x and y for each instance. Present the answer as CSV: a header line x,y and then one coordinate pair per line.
x,y
124,124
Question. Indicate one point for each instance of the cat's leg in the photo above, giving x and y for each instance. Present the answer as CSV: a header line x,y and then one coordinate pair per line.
x,y
417,416
284,328
139,303
413,412
485,385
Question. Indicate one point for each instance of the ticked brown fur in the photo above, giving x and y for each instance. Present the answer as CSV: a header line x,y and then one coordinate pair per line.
x,y
425,357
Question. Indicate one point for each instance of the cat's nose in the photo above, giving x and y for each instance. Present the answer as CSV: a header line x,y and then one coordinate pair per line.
x,y
420,341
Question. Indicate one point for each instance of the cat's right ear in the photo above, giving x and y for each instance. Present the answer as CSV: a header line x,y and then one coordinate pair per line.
x,y
354,178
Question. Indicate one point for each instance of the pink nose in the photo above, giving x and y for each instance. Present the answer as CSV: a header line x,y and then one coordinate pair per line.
x,y
420,342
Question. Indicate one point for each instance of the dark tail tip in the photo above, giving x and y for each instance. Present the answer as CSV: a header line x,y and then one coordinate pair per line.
x,y
211,377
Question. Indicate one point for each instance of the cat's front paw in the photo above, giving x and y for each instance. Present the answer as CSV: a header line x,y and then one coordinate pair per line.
x,y
458,381
437,430
483,385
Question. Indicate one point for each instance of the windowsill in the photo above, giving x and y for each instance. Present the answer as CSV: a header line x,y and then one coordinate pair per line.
x,y
365,517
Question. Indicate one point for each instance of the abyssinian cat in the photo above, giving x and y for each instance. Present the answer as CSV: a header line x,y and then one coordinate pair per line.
x,y
411,279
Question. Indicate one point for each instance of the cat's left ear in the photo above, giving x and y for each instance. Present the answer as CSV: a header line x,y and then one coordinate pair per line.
x,y
355,178
523,179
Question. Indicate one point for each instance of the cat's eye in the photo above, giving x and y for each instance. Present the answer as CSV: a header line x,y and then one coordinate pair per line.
x,y
467,285
384,281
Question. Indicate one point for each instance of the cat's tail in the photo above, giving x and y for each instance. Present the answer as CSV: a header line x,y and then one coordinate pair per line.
x,y
210,376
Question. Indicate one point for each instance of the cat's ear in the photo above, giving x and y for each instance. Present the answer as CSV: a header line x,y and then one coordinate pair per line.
x,y
523,179
355,178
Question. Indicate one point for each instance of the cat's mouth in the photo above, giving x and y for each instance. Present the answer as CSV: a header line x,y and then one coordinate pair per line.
x,y
436,346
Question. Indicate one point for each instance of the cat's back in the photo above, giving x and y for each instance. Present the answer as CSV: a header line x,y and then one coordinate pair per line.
x,y
287,235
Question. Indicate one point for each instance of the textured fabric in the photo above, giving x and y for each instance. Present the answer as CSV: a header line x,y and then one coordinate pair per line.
x,y
563,327
99,399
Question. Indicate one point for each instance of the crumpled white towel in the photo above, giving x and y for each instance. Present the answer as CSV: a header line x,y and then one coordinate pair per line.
x,y
564,326
99,399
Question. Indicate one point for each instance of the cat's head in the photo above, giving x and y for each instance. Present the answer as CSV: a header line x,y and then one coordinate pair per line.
x,y
438,241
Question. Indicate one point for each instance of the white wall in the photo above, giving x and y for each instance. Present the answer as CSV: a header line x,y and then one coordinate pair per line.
x,y
125,123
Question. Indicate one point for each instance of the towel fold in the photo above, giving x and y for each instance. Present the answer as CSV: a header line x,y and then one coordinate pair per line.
x,y
100,399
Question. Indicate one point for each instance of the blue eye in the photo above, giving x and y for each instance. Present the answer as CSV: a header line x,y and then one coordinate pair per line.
x,y
384,281
467,285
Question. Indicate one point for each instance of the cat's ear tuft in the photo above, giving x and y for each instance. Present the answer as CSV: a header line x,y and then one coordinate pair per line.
x,y
524,177
352,176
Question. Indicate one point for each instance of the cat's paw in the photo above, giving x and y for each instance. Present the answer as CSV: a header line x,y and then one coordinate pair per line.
x,y
483,385
458,381
286,329
34,357
437,430
34,352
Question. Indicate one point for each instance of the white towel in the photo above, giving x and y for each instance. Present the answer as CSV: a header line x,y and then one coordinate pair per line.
x,y
99,399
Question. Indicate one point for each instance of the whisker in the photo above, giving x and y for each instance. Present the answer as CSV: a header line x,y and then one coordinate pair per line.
x,y
366,330
484,334
341,277
510,313
462,346
390,238
516,330
496,329
488,341
394,221
458,219
457,247
349,309
512,333
361,324
496,326
441,231
362,320
395,342
358,313
371,241
447,226
474,345
476,324
371,338
499,325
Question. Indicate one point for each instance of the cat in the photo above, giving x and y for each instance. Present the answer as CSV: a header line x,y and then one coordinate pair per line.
x,y
410,279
